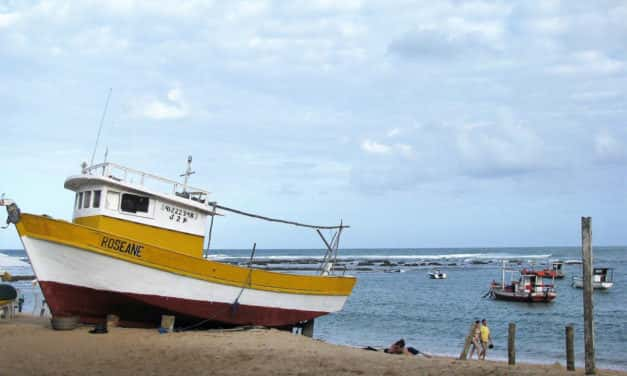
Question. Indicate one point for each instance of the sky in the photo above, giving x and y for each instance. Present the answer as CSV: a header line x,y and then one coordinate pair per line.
x,y
418,123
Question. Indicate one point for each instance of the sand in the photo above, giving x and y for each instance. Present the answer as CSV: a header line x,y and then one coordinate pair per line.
x,y
28,346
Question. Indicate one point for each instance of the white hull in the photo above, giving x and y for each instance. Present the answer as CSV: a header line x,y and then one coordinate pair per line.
x,y
578,282
69,266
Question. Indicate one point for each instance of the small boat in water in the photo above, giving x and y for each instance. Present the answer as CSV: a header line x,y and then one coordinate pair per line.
x,y
134,248
528,288
555,271
437,274
602,279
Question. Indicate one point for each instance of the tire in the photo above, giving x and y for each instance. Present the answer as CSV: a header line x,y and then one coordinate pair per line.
x,y
64,322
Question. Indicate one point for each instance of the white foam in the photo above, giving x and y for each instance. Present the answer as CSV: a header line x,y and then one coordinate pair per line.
x,y
7,261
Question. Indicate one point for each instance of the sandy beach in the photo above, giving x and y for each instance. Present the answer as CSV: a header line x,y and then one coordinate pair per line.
x,y
30,347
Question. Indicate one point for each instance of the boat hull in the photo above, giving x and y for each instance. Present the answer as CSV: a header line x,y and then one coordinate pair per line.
x,y
525,298
578,283
93,283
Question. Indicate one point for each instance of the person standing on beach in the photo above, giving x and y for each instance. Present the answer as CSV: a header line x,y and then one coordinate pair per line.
x,y
476,340
485,339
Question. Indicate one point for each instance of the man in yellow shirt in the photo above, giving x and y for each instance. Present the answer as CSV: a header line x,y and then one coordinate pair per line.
x,y
485,338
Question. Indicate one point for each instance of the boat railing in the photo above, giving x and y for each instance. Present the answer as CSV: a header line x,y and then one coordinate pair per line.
x,y
129,175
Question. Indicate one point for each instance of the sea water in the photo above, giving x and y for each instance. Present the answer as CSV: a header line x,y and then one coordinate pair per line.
x,y
394,298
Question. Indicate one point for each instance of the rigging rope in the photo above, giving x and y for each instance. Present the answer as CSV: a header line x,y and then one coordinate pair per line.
x,y
275,219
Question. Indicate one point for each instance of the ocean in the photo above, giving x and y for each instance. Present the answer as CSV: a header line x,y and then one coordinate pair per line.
x,y
394,298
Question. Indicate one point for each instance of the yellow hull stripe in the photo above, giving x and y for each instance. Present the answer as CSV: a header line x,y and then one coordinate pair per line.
x,y
131,250
182,242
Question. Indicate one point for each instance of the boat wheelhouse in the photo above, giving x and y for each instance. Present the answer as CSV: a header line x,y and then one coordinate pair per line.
x,y
602,279
135,249
528,288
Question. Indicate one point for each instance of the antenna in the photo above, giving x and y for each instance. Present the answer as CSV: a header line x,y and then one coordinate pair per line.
x,y
187,173
93,154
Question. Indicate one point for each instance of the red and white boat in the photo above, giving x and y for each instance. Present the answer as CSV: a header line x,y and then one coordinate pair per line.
x,y
554,272
134,248
528,288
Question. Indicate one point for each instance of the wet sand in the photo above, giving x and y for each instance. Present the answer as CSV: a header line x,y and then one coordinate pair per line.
x,y
28,346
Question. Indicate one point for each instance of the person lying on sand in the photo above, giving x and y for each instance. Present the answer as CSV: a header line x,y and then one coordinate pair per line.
x,y
398,347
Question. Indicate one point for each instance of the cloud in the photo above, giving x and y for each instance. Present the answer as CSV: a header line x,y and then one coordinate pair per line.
x,y
608,149
498,150
454,38
173,107
374,147
8,19
590,62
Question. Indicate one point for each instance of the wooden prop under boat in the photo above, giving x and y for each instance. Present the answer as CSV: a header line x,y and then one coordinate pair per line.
x,y
528,288
137,253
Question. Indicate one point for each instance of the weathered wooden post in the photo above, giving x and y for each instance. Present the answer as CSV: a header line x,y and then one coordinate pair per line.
x,y
511,344
167,323
308,328
570,348
588,315
464,352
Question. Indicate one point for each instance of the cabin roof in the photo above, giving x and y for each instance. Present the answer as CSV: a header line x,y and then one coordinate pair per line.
x,y
104,174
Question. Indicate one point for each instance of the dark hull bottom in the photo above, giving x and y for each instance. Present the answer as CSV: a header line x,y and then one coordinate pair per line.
x,y
138,310
523,298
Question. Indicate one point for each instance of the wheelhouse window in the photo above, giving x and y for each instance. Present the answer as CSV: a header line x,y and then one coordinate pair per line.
x,y
96,203
113,200
80,200
77,201
87,199
134,203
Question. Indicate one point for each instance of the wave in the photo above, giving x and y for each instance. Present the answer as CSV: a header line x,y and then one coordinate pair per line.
x,y
464,256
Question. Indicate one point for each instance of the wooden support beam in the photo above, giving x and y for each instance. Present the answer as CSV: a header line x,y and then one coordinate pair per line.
x,y
167,323
308,328
511,344
570,348
588,314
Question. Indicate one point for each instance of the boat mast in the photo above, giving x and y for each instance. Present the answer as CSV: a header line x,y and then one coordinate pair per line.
x,y
93,154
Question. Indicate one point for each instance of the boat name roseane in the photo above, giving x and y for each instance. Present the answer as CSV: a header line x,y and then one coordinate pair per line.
x,y
122,246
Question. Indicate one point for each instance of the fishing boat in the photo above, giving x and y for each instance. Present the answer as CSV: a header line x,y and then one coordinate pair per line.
x,y
134,248
555,271
602,279
528,288
437,274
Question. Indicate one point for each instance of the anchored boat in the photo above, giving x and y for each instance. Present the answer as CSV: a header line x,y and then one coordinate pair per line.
x,y
437,274
528,288
555,271
602,279
135,249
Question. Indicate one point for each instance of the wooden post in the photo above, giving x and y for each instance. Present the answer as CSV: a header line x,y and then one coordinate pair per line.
x,y
308,328
167,323
570,348
464,353
112,320
511,344
588,315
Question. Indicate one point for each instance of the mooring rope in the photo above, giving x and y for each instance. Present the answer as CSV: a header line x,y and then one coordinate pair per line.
x,y
275,219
